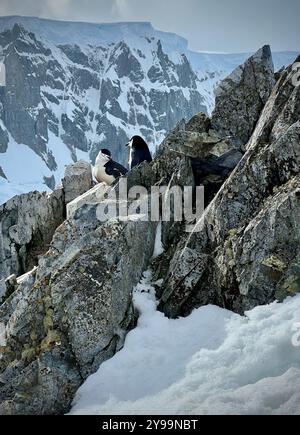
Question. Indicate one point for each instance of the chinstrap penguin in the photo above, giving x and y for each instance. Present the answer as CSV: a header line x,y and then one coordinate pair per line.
x,y
139,152
106,170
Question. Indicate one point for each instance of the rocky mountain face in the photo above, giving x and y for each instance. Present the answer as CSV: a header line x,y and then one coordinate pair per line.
x,y
61,320
65,99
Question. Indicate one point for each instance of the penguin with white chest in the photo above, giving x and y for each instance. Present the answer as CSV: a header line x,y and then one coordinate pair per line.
x,y
106,170
139,152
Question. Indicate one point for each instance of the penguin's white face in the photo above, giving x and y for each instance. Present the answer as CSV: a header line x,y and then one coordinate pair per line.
x,y
102,158
99,170
130,144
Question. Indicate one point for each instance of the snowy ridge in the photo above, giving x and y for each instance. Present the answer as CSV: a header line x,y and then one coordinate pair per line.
x,y
67,32
212,362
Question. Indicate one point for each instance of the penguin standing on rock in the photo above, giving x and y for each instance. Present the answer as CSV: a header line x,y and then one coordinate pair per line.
x,y
139,152
106,170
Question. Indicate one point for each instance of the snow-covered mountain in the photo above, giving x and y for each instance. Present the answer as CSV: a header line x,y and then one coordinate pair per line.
x,y
73,88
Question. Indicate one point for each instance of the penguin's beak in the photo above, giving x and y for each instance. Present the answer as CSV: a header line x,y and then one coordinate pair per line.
x,y
127,145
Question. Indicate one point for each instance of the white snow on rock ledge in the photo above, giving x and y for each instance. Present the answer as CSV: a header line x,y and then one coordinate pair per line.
x,y
213,362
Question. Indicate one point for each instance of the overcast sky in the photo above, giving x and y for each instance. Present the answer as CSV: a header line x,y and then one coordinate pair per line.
x,y
209,25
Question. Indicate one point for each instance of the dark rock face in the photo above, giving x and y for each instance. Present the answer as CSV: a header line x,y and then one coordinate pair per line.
x,y
50,182
23,112
160,104
3,140
212,158
126,63
241,97
74,135
75,54
280,112
2,174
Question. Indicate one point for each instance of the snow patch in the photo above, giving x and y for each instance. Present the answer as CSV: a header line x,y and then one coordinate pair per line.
x,y
212,362
158,245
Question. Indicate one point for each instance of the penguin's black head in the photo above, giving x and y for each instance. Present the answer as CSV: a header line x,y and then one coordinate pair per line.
x,y
106,152
137,142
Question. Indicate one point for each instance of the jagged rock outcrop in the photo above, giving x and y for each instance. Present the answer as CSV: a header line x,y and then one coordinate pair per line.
x,y
241,97
280,112
245,250
27,224
80,311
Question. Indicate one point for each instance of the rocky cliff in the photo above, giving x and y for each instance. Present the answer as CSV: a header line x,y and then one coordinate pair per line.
x,y
72,312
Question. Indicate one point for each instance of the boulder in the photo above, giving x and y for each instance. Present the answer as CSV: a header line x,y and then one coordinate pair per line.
x,y
77,180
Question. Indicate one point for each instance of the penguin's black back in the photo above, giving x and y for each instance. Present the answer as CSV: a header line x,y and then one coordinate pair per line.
x,y
115,169
140,152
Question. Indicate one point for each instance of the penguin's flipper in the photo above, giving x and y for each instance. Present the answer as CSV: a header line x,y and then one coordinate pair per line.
x,y
120,168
